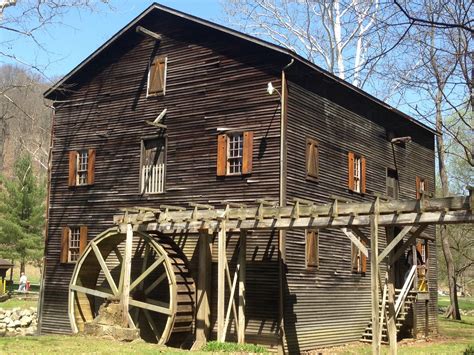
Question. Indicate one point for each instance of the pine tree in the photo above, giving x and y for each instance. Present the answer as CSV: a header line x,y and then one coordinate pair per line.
x,y
22,208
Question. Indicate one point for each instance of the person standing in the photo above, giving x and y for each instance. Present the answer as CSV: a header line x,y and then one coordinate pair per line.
x,y
23,281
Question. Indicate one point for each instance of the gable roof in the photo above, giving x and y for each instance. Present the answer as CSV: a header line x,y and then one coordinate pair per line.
x,y
292,55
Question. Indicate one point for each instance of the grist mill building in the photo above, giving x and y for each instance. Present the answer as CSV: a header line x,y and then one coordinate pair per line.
x,y
215,134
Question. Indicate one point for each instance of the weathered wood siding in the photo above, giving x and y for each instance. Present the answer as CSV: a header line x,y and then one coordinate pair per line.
x,y
331,305
212,81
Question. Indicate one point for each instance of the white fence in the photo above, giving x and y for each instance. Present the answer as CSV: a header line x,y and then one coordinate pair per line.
x,y
153,178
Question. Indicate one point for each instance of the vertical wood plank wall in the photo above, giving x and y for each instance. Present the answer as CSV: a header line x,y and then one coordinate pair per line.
x,y
212,81
331,305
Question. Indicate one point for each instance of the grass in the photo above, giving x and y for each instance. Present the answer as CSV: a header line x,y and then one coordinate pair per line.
x,y
15,302
465,303
214,346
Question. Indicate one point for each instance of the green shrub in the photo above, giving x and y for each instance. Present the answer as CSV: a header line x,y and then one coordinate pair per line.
x,y
469,350
215,346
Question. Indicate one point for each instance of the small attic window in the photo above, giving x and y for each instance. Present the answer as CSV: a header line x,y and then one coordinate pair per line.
x,y
157,76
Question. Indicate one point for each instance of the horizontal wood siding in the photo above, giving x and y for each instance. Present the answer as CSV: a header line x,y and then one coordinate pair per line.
x,y
331,305
212,81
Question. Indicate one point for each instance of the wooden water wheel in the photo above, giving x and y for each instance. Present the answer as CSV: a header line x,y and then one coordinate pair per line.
x,y
161,297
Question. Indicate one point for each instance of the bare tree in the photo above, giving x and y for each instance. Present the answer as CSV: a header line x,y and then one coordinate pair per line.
x,y
439,91
348,38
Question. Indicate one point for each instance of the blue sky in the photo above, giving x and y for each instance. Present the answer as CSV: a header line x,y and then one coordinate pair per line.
x,y
82,32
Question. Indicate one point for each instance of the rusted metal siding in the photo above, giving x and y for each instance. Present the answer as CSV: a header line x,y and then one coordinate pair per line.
x,y
212,81
331,306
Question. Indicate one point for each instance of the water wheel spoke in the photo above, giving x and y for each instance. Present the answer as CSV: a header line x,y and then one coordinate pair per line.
x,y
118,254
104,267
147,272
144,263
155,284
91,291
159,308
152,324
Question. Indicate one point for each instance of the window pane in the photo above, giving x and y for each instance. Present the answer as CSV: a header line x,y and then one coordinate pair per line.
x,y
235,148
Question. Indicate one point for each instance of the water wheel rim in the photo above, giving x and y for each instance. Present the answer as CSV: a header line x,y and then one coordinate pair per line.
x,y
74,289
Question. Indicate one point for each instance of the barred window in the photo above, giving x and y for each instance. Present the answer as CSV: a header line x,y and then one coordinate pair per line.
x,y
235,148
74,244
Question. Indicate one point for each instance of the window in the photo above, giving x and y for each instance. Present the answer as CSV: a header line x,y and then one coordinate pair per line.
x,y
358,260
356,172
81,167
312,248
392,183
312,159
157,76
421,187
73,243
152,167
234,153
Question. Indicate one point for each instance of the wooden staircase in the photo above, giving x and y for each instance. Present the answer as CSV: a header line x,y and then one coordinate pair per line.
x,y
400,319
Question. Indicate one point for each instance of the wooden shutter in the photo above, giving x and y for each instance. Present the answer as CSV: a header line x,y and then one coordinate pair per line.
x,y
247,153
83,239
417,181
363,260
362,175
90,166
312,257
312,158
350,167
72,168
354,258
156,75
221,155
65,244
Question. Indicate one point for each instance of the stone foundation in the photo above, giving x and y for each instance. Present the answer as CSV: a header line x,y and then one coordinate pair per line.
x,y
18,322
107,324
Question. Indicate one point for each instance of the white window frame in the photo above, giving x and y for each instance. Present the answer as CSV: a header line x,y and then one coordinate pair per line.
x,y
74,244
240,155
165,75
82,168
357,173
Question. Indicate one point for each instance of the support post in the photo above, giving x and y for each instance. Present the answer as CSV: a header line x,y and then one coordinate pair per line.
x,y
127,260
221,255
415,286
391,320
203,312
242,272
374,278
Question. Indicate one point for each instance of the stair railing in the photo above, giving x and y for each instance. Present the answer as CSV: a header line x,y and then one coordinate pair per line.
x,y
407,286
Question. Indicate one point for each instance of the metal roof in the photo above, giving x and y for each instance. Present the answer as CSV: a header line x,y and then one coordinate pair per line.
x,y
271,46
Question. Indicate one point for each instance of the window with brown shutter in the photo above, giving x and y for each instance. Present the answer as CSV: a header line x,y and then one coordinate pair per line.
x,y
312,159
358,259
234,153
81,167
391,183
356,172
312,248
421,187
157,76
73,243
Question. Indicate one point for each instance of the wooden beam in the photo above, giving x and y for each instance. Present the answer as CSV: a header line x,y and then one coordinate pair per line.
x,y
91,292
104,268
242,276
394,242
149,306
361,235
147,272
221,256
127,260
356,241
143,31
450,217
203,305
391,317
408,243
374,278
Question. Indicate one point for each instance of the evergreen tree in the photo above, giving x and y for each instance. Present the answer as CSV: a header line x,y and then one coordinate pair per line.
x,y
22,208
